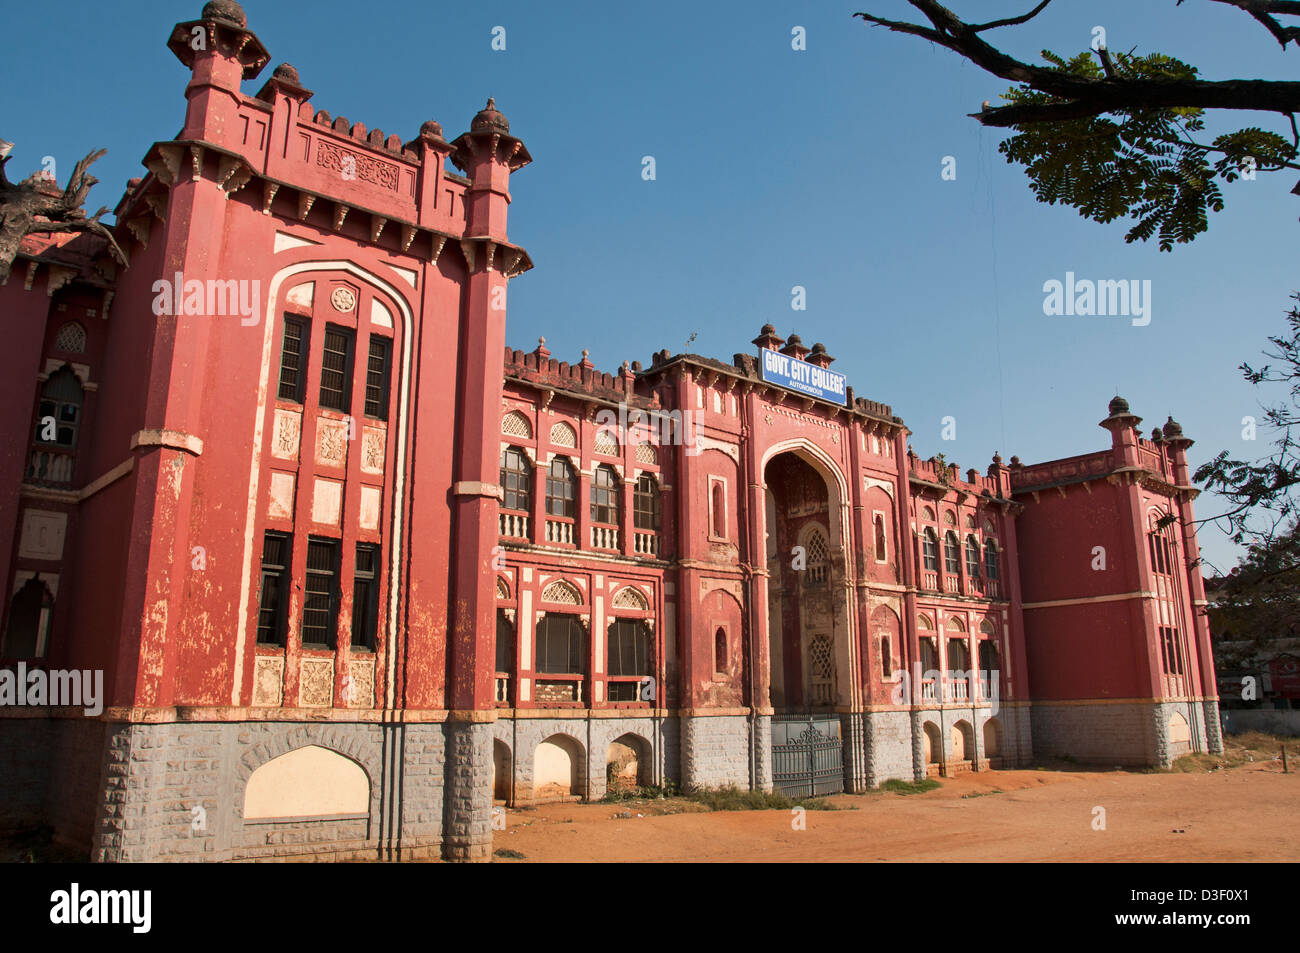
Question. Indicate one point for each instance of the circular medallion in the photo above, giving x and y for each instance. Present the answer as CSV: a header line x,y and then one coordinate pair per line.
x,y
343,299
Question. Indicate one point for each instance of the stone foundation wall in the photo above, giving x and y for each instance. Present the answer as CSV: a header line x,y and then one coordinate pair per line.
x,y
715,751
1115,734
25,756
888,746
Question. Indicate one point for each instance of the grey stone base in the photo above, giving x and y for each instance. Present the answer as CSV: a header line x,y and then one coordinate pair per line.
x,y
887,737
515,742
716,751
1123,734
1011,727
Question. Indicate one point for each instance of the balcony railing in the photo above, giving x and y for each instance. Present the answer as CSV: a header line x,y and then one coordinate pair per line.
x,y
604,537
992,589
514,525
959,689
951,584
559,531
625,688
930,580
645,544
927,689
502,688
49,467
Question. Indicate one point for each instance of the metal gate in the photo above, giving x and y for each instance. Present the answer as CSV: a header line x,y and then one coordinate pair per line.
x,y
807,755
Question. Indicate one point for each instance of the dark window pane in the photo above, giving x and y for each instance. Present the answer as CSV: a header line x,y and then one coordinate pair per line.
x,y
560,490
273,597
516,480
377,379
365,597
319,613
505,643
561,646
292,372
335,371
645,504
604,497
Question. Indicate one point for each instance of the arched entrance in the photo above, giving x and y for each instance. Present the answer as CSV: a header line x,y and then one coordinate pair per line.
x,y
810,663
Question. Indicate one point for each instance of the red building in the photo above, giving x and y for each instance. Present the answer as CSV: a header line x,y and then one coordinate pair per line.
x,y
351,568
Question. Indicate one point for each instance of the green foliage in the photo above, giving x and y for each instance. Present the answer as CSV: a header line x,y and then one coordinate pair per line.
x,y
650,792
1141,163
731,798
895,786
1265,494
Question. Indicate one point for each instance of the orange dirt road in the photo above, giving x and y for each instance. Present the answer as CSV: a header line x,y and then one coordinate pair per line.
x,y
1240,814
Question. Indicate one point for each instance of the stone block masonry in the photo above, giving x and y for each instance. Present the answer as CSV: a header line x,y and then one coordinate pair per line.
x,y
715,751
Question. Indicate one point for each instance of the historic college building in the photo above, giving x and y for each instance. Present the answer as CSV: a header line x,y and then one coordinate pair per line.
x,y
300,558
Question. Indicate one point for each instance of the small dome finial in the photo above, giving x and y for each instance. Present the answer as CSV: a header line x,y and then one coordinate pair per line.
x,y
227,11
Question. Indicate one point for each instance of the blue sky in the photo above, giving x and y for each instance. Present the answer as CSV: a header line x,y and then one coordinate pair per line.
x,y
775,168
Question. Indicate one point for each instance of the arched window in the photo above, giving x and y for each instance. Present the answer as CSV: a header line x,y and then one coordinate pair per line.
x,y
929,656
561,494
881,551
71,338
972,557
505,643
516,480
951,553
604,497
886,657
720,651
645,504
988,656
719,511
60,410
1160,555
631,656
930,549
958,655
30,614
561,645
990,559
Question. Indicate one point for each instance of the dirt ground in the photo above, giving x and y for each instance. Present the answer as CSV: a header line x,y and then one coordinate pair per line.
x,y
1245,813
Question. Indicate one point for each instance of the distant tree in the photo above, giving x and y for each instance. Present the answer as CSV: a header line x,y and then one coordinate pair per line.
x,y
1113,134
1257,605
1264,494
32,206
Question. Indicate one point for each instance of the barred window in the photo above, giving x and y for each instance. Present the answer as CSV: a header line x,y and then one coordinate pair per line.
x,y
604,496
365,597
60,409
505,643
930,549
320,604
951,553
293,367
273,596
630,648
336,369
377,375
991,559
561,646
560,491
972,557
645,504
516,480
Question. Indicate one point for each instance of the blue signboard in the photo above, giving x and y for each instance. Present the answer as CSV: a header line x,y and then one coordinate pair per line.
x,y
794,374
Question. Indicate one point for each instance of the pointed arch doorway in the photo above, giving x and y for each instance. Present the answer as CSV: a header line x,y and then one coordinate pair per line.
x,y
809,640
